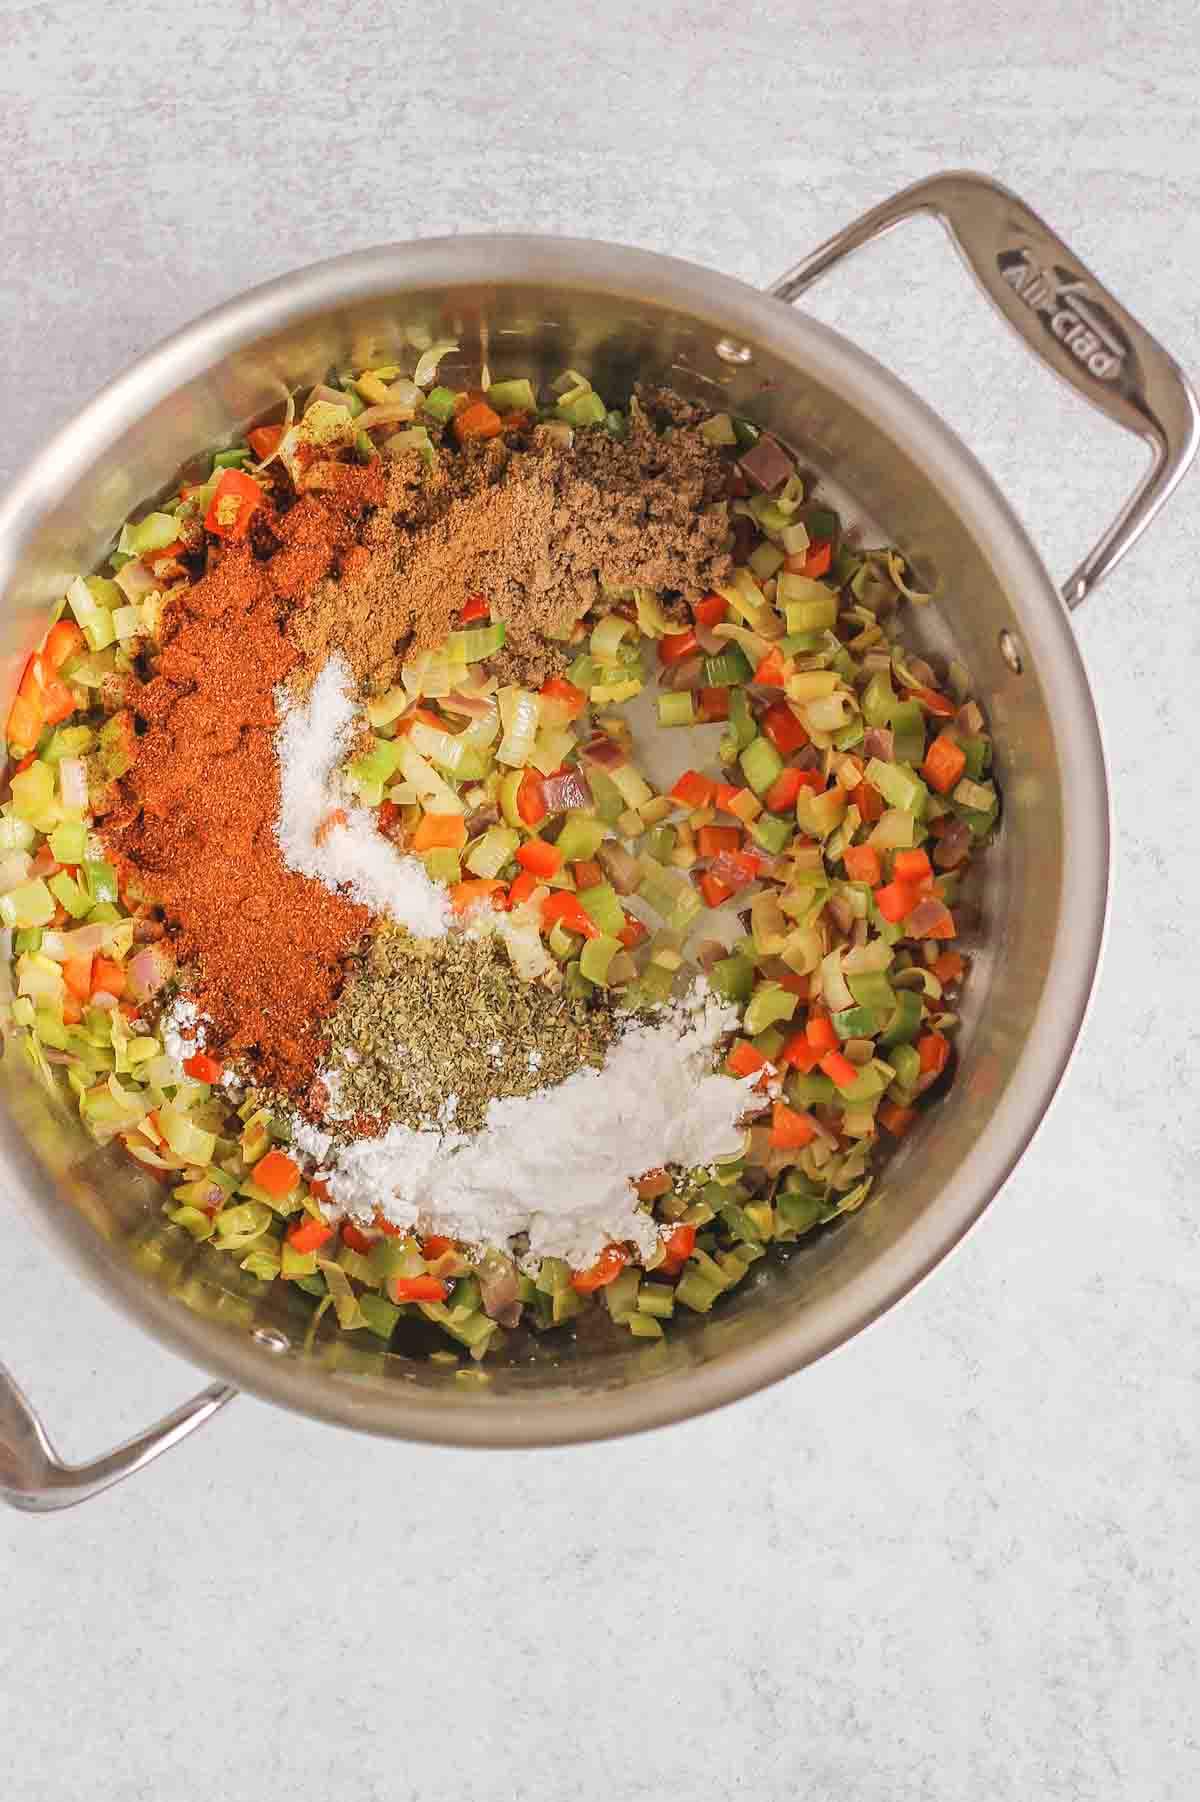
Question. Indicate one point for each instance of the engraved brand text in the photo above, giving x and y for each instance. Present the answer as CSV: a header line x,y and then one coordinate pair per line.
x,y
1061,300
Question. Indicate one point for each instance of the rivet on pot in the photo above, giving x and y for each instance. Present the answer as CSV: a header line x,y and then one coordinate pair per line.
x,y
731,352
1010,650
271,1339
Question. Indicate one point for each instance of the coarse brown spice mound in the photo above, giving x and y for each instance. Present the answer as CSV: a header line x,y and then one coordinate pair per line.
x,y
540,528
424,1020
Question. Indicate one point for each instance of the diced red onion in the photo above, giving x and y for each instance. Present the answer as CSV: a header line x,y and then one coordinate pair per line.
x,y
767,464
476,707
725,868
969,719
842,912
487,815
709,643
604,752
925,916
621,970
953,845
917,666
809,758
103,1000
149,970
710,952
73,783
688,673
619,866
499,1287
570,789
879,741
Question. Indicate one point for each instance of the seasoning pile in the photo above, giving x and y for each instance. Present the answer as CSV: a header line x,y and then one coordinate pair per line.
x,y
338,899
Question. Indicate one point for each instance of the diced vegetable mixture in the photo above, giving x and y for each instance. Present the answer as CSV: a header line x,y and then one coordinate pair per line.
x,y
812,870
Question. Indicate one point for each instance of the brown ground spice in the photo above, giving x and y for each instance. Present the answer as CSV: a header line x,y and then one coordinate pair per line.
x,y
536,528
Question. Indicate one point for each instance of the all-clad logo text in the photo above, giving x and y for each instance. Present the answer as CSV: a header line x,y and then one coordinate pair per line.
x,y
1062,301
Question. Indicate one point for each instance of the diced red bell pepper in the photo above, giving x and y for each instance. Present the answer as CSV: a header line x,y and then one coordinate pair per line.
x,y
355,1238
862,864
63,640
587,873
744,1059
694,790
783,791
676,646
799,1054
712,840
521,888
557,688
932,701
420,1288
714,891
202,1068
605,1270
790,1131
563,908
235,498
539,858
869,802
912,866
783,729
277,1173
944,763
895,1119
895,900
476,606
633,932
264,440
710,611
468,893
678,1248
108,976
309,1234
771,672
477,421
531,802
435,1245
838,1068
821,1033
934,1052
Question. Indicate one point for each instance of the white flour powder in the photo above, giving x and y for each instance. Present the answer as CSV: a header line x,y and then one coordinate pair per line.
x,y
352,855
558,1164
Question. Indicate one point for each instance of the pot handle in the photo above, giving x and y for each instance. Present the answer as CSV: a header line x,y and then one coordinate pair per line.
x,y
34,1478
1065,316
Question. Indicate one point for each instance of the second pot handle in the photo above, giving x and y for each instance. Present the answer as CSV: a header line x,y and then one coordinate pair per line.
x,y
34,1478
1065,316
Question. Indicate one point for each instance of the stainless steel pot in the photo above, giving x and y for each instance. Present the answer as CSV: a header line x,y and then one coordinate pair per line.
x,y
527,302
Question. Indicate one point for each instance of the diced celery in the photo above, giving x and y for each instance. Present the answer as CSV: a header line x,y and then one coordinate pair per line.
x,y
908,726
29,904
819,815
582,410
596,957
765,560
816,614
452,752
899,785
379,1314
76,900
905,1061
33,795
695,1293
476,642
856,1022
905,1021
100,878
772,832
761,764
677,709
581,837
68,842
872,989
153,533
733,978
603,906
768,1003
512,397
489,855
443,865
729,668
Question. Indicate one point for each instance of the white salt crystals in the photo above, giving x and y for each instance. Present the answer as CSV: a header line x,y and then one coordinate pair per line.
x,y
322,832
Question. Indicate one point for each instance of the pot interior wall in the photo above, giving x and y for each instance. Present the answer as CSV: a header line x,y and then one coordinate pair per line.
x,y
111,1214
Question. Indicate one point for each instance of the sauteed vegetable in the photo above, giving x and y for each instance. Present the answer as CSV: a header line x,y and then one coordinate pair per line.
x,y
506,908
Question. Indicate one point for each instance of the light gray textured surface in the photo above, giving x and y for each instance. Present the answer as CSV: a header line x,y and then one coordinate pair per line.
x,y
958,1558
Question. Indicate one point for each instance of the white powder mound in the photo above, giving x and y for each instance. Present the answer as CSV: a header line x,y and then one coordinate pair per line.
x,y
182,1029
351,855
559,1164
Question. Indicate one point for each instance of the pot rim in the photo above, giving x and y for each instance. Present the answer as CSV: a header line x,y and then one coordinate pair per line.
x,y
736,310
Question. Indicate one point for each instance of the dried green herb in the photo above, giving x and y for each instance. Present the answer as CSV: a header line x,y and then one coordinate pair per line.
x,y
431,1030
